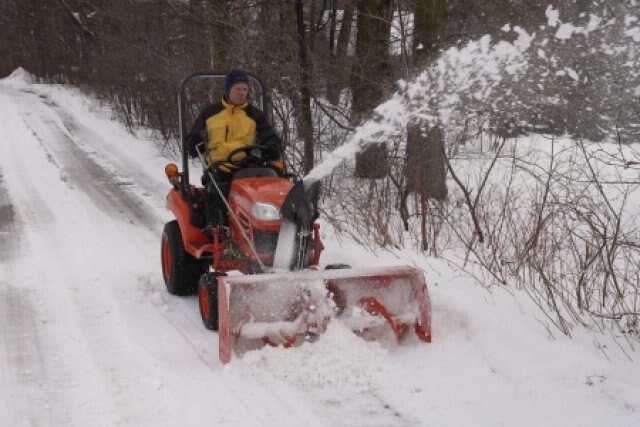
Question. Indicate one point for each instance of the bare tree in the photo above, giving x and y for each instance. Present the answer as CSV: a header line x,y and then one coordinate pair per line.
x,y
305,122
370,80
426,171
339,62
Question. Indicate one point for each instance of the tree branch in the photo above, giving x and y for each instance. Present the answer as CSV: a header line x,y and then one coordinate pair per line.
x,y
76,18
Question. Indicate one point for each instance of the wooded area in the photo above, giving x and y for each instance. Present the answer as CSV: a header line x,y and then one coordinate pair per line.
x,y
133,53
329,63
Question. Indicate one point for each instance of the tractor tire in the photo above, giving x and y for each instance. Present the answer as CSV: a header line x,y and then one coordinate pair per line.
x,y
208,300
180,269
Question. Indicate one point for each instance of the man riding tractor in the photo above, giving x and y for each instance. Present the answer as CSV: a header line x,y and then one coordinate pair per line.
x,y
223,127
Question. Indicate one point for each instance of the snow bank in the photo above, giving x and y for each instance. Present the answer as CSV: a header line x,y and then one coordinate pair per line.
x,y
338,359
19,77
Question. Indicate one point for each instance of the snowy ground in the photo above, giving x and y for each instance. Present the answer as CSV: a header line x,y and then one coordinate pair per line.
x,y
89,336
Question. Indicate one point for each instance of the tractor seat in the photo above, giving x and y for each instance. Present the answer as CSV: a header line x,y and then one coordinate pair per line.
x,y
255,172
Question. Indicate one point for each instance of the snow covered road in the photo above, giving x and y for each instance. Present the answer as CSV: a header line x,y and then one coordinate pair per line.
x,y
89,336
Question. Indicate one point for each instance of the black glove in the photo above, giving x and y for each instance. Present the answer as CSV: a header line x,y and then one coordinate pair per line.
x,y
192,148
255,153
192,151
195,142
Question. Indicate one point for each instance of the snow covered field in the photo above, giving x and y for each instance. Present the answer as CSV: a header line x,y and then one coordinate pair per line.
x,y
90,337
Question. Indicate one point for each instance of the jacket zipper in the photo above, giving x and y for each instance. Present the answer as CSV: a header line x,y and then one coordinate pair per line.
x,y
226,127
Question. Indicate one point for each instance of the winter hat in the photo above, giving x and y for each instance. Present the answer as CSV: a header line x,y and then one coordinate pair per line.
x,y
233,77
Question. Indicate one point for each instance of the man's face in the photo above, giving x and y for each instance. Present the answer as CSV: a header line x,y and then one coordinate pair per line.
x,y
238,93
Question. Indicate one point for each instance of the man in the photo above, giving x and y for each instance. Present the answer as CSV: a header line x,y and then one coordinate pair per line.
x,y
229,124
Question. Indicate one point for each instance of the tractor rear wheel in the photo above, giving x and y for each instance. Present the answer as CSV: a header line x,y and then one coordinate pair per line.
x,y
180,269
208,300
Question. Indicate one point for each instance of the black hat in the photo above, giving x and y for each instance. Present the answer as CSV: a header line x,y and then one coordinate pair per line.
x,y
233,77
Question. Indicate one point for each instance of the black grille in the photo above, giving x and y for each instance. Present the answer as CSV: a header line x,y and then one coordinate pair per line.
x,y
265,241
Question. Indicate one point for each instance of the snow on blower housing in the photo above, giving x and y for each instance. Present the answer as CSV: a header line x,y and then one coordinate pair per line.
x,y
281,298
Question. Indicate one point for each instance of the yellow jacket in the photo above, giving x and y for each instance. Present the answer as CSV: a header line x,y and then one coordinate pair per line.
x,y
231,126
227,130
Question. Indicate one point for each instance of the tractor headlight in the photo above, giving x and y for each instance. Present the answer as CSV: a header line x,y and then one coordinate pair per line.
x,y
265,211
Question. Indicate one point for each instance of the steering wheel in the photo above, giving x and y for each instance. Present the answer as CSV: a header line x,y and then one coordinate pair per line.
x,y
253,154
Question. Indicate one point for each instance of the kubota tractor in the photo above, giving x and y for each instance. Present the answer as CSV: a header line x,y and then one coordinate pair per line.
x,y
276,295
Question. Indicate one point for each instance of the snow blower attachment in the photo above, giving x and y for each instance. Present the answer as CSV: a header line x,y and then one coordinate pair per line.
x,y
288,309
296,235
272,242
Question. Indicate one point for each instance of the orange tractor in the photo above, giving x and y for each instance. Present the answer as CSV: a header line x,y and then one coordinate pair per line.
x,y
258,278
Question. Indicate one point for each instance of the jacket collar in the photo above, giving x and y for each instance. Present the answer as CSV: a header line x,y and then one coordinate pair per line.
x,y
230,106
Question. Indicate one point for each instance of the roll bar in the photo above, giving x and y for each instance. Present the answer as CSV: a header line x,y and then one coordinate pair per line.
x,y
182,108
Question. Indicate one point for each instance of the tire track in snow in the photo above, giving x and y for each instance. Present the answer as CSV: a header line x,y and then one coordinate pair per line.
x,y
79,170
34,306
25,355
9,232
106,152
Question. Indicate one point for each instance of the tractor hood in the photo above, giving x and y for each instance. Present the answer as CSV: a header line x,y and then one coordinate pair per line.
x,y
263,189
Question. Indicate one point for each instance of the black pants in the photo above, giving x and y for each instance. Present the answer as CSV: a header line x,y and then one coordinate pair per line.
x,y
215,207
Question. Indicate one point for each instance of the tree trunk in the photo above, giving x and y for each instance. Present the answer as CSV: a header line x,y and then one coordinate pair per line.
x,y
426,170
339,60
219,42
305,122
369,81
429,32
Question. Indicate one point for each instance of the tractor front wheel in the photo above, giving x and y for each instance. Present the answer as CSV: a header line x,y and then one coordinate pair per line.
x,y
208,300
180,269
